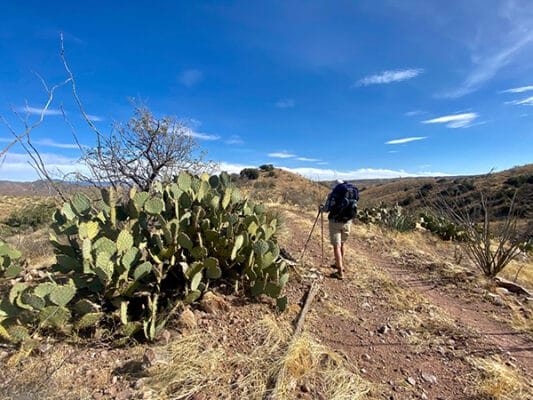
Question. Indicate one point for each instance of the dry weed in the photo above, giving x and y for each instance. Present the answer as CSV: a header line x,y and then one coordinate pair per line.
x,y
498,380
323,373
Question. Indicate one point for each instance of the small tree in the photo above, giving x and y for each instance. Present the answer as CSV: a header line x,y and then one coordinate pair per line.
x,y
249,173
143,150
490,249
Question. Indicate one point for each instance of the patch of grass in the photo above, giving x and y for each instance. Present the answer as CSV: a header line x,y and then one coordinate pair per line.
x,y
499,381
324,373
196,364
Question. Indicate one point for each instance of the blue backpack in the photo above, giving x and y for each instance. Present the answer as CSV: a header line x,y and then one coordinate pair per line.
x,y
344,208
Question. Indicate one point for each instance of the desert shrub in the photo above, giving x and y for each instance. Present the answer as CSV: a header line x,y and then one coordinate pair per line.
x,y
518,181
249,173
405,202
266,167
31,216
390,217
130,263
442,227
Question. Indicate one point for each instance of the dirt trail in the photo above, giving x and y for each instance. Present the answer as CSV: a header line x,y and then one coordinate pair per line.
x,y
415,346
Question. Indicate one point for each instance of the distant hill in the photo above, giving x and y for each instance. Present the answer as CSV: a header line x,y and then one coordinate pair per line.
x,y
280,186
414,193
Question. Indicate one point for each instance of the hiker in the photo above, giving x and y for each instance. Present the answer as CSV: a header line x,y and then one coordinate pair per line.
x,y
342,206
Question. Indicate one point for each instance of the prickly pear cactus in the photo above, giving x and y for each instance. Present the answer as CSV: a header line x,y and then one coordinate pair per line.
x,y
138,255
10,264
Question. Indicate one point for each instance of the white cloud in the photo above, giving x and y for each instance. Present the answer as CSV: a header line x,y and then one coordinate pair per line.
x,y
53,143
16,166
307,159
406,140
232,168
281,154
454,121
38,111
202,136
190,77
487,65
390,76
95,118
523,102
518,89
362,173
285,103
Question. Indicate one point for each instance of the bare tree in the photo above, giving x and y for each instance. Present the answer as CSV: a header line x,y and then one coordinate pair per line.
x,y
135,154
143,150
490,248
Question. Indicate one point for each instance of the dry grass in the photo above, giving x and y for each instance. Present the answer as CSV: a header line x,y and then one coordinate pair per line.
x,y
35,247
321,371
196,364
499,381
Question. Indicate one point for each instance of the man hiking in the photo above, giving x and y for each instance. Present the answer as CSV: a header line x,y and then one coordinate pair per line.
x,y
342,206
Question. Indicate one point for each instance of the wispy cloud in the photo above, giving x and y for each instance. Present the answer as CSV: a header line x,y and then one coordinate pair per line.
x,y
454,121
414,113
190,77
406,140
234,139
390,76
53,143
38,111
95,118
202,136
489,64
307,159
518,89
523,102
281,154
285,103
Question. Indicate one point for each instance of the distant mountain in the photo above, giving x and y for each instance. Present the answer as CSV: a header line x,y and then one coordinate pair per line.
x,y
414,193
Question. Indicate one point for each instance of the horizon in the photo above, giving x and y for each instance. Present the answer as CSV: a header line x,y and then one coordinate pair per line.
x,y
327,90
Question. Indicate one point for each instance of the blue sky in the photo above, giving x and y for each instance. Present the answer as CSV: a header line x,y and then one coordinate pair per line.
x,y
327,89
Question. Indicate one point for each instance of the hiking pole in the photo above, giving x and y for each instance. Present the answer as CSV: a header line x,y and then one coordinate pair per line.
x,y
322,237
310,233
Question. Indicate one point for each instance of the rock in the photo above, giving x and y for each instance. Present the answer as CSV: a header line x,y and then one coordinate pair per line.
x,y
365,357
502,291
411,381
3,354
384,329
187,319
429,378
496,299
424,396
123,395
212,303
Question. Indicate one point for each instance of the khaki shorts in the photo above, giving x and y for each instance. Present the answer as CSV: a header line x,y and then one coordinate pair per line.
x,y
339,231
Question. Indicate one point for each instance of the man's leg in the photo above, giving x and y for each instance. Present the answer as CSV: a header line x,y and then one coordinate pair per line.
x,y
338,251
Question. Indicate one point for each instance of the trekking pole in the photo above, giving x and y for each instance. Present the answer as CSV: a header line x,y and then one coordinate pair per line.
x,y
310,233
322,237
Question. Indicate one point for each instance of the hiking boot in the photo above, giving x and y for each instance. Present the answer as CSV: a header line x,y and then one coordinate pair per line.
x,y
337,275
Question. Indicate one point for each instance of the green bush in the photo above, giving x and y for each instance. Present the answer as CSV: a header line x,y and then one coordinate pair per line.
x,y
266,167
129,263
249,173
31,216
442,227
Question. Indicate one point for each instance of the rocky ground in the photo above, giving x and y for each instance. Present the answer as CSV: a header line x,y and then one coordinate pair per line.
x,y
407,322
